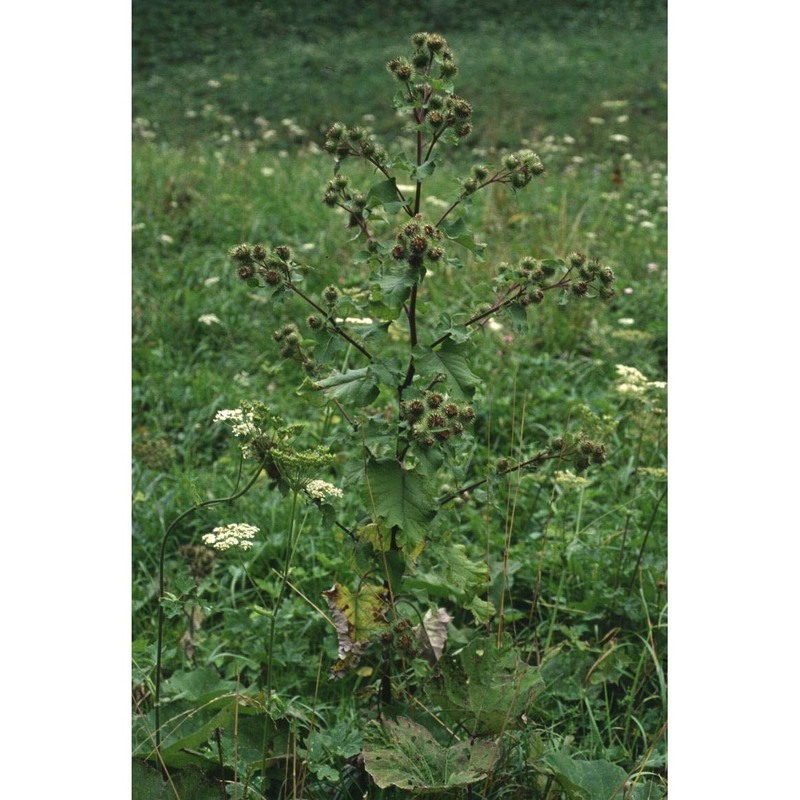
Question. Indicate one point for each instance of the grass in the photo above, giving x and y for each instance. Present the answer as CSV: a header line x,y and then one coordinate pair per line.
x,y
578,568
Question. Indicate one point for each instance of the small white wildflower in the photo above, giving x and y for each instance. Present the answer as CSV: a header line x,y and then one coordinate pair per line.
x,y
190,113
213,84
623,118
307,247
646,223
211,281
494,325
209,319
406,188
578,159
596,121
652,267
242,378
614,104
619,137
228,414
627,290
238,534
166,238
568,140
626,321
322,490
139,226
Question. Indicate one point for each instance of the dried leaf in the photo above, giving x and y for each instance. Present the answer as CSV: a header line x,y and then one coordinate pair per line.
x,y
358,618
433,633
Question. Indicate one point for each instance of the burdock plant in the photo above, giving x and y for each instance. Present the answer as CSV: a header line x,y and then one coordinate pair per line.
x,y
400,381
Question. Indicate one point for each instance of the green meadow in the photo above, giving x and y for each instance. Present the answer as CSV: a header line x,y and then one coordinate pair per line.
x,y
540,533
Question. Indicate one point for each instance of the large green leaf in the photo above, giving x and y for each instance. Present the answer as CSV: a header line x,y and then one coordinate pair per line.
x,y
390,291
355,388
485,686
449,360
596,780
401,499
384,193
404,754
457,231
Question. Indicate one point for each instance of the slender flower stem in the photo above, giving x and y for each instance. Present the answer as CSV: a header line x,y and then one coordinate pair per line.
x,y
339,331
162,556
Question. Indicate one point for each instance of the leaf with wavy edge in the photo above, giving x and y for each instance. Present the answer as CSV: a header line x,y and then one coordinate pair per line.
x,y
402,753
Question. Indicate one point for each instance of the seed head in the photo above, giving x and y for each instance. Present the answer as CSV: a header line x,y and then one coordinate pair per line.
x,y
435,421
434,400
242,253
259,252
331,294
272,277
420,59
436,43
579,288
577,259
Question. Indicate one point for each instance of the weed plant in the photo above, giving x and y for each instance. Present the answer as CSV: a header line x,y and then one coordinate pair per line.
x,y
423,548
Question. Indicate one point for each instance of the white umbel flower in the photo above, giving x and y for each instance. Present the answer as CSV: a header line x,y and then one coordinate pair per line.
x,y
322,490
238,534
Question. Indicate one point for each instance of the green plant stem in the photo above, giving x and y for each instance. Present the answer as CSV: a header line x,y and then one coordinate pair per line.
x,y
644,540
161,560
290,548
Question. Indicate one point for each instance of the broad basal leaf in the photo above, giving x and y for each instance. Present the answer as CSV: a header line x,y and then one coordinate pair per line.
x,y
405,755
486,687
359,617
587,780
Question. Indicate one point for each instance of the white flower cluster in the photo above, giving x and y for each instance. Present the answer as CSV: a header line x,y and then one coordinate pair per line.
x,y
569,480
238,534
631,381
241,423
322,490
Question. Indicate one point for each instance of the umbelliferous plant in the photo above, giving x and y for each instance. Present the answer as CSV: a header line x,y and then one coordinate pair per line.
x,y
403,397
